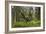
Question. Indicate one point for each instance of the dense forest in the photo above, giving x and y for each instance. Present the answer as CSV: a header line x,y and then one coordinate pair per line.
x,y
25,16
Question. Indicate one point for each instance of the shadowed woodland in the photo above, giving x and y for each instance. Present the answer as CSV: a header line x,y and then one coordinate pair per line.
x,y
25,16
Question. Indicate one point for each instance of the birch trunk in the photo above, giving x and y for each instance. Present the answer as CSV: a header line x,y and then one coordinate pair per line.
x,y
33,13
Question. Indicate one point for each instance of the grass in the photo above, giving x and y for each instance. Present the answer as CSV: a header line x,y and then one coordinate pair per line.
x,y
33,23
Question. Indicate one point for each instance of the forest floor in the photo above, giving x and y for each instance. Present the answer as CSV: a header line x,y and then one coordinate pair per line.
x,y
33,23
